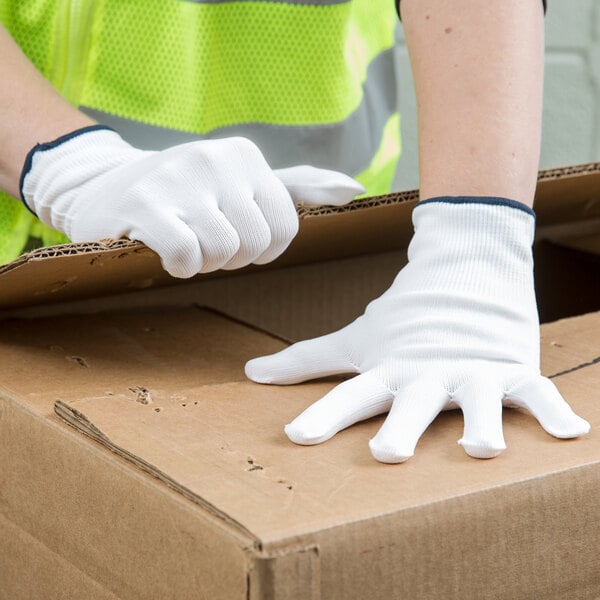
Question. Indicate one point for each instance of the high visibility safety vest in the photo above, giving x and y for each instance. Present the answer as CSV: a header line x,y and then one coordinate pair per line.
x,y
309,81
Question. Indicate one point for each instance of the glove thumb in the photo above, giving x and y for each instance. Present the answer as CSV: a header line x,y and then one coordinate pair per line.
x,y
313,187
305,360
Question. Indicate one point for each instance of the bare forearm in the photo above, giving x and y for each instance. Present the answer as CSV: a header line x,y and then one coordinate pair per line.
x,y
478,72
31,111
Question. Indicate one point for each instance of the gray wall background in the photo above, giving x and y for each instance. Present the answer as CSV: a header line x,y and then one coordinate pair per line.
x,y
571,130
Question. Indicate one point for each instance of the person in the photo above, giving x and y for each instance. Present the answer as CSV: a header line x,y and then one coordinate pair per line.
x,y
459,326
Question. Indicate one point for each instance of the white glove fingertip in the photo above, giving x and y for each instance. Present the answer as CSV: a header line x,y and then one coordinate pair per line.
x,y
389,453
307,436
415,407
259,370
314,187
542,398
569,428
286,368
179,271
176,245
480,400
273,252
305,360
482,448
182,268
351,401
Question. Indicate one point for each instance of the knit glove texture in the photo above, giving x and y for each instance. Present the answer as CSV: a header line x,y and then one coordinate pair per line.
x,y
200,206
458,328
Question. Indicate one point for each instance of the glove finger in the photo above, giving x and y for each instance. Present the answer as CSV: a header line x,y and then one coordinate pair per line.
x,y
313,187
305,360
170,215
250,225
352,401
543,400
414,408
218,239
280,214
174,242
481,403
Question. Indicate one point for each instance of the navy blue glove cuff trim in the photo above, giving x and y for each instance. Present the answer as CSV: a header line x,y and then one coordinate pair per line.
x,y
48,146
490,200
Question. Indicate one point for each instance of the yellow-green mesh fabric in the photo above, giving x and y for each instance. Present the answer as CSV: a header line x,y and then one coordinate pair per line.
x,y
15,222
17,225
378,177
197,67
49,237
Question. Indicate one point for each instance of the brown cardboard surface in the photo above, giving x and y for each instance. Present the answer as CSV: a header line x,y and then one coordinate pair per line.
x,y
295,302
313,299
60,579
123,353
239,460
224,445
79,509
565,192
370,225
246,514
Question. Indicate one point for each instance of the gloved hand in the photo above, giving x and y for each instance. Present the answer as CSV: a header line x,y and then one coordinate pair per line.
x,y
457,328
200,206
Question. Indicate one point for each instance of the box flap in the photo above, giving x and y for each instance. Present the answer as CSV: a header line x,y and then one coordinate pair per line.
x,y
368,225
221,444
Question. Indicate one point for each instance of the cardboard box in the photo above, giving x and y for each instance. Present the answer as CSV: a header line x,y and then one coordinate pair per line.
x,y
342,258
138,462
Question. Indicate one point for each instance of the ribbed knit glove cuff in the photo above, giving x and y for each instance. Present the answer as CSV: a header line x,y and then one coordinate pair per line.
x,y
56,172
470,262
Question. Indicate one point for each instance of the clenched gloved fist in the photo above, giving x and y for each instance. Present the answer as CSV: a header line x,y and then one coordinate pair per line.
x,y
200,206
457,328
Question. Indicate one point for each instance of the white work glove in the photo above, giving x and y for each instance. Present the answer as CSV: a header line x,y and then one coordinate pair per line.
x,y
200,206
457,328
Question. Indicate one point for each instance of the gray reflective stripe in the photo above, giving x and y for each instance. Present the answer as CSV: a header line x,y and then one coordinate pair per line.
x,y
304,2
348,145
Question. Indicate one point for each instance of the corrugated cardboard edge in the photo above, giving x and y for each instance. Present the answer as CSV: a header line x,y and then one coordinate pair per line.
x,y
81,423
544,176
304,212
106,247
